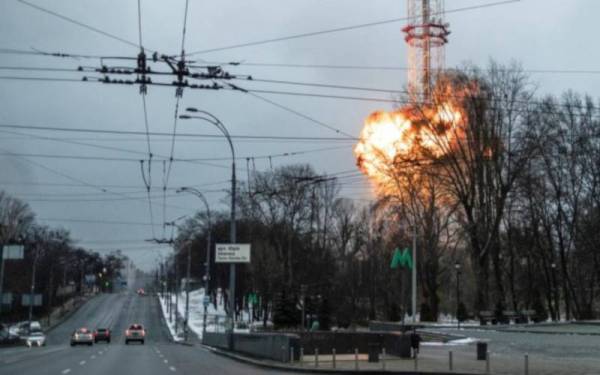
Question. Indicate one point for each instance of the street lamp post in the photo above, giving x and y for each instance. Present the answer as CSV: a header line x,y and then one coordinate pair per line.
x,y
457,268
199,194
555,292
32,289
206,116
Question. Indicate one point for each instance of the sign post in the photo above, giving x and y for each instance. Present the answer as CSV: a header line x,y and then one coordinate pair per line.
x,y
232,253
8,252
404,259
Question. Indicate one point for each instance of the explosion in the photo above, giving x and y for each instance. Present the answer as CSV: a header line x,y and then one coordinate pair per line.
x,y
392,139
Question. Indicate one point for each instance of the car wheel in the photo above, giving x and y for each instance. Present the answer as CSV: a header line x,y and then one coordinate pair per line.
x,y
90,344
142,342
126,342
72,344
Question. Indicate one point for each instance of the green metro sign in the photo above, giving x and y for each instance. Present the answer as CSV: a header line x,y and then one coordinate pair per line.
x,y
402,259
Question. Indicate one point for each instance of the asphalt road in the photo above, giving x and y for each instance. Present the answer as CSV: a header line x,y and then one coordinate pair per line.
x,y
116,311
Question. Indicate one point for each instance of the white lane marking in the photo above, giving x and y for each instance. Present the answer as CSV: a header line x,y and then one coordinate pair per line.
x,y
93,357
166,361
172,369
66,371
100,353
82,363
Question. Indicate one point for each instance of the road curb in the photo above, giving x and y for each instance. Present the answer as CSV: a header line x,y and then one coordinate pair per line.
x,y
274,366
184,343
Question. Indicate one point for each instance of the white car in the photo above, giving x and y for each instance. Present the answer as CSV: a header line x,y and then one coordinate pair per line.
x,y
23,328
35,338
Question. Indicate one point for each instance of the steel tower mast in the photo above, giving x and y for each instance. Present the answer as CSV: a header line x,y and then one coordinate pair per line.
x,y
426,35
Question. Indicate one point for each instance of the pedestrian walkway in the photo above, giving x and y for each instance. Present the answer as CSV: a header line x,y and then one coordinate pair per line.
x,y
462,359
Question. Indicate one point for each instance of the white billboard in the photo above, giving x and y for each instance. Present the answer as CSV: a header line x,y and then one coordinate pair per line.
x,y
26,299
12,251
232,253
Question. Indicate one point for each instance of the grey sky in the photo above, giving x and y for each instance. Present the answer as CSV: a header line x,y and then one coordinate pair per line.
x,y
541,34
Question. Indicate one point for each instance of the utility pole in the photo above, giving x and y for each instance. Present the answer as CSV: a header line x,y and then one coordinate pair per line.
x,y
32,290
3,256
414,274
187,292
457,267
303,293
169,296
199,194
176,297
50,293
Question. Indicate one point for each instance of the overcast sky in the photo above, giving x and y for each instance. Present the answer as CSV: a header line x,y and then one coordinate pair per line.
x,y
540,34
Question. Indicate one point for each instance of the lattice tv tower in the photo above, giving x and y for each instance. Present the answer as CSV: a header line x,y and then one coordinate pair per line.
x,y
426,35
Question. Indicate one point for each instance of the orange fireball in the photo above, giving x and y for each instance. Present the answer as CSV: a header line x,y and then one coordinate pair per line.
x,y
390,140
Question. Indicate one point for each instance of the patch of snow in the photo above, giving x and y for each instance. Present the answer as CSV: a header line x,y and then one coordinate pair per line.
x,y
170,325
458,342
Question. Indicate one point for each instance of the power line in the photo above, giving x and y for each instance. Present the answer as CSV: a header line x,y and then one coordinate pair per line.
x,y
78,23
74,179
189,160
191,135
201,87
389,67
111,148
38,69
300,114
116,186
331,86
91,221
344,28
323,96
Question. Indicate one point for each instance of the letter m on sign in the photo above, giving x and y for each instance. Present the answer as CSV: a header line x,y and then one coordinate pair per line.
x,y
402,259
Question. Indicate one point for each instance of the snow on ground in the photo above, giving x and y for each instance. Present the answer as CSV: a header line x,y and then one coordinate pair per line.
x,y
170,325
215,315
465,341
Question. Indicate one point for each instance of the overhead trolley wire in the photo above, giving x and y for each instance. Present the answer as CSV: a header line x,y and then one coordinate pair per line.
x,y
78,23
344,28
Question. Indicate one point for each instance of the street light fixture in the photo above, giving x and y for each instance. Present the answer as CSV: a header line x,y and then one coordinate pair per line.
x,y
199,194
210,118
457,267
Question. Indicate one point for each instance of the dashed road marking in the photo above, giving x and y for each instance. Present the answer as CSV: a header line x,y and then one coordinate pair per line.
x,y
93,357
82,363
166,361
66,371
172,369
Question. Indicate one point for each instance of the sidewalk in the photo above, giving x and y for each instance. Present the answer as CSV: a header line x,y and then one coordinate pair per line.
x,y
432,360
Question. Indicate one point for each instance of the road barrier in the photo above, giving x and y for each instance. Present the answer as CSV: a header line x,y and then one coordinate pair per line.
x,y
275,346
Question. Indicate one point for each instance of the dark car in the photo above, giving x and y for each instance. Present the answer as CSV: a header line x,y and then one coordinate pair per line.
x,y
102,334
82,336
8,339
135,332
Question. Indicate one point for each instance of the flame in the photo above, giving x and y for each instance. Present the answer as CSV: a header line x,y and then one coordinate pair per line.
x,y
390,140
